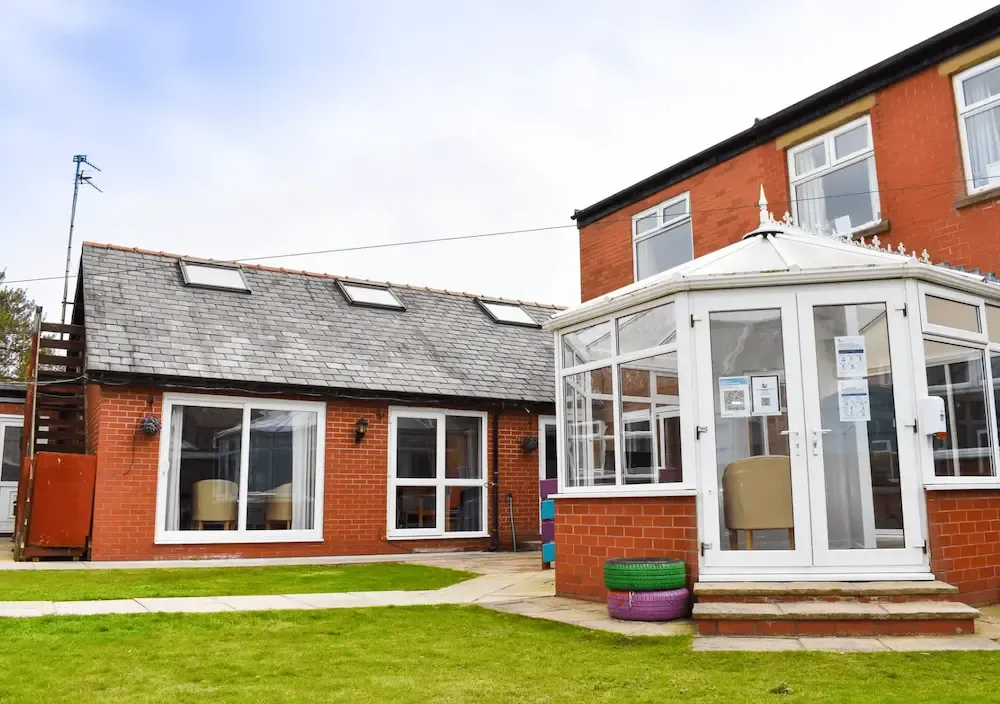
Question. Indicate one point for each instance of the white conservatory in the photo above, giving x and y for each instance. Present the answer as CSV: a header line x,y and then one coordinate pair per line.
x,y
808,389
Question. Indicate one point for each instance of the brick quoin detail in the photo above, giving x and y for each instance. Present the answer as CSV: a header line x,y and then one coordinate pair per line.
x,y
964,541
356,481
590,531
915,134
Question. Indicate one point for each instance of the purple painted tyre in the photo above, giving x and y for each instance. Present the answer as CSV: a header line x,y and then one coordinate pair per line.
x,y
648,606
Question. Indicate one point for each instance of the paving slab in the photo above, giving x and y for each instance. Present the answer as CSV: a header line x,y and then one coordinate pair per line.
x,y
844,645
831,610
931,609
822,588
95,608
640,628
737,610
18,609
184,604
908,644
574,616
341,600
706,644
270,602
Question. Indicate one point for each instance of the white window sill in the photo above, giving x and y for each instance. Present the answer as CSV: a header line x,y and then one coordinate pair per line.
x,y
993,485
227,537
611,494
438,536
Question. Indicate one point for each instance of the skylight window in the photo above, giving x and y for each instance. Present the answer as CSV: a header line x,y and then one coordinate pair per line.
x,y
370,295
213,276
507,313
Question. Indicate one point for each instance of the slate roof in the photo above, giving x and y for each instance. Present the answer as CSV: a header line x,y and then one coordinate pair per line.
x,y
296,328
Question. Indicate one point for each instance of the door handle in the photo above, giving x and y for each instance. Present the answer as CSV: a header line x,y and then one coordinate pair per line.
x,y
817,434
796,445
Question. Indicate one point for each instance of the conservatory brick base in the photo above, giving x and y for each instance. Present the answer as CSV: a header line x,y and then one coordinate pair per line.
x,y
964,540
590,531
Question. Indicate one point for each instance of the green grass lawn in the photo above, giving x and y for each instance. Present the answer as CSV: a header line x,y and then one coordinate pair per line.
x,y
439,654
77,585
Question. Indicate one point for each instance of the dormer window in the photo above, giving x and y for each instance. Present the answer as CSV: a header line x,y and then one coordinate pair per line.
x,y
372,295
507,313
219,276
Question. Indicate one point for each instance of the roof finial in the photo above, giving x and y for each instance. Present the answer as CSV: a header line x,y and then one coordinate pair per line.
x,y
763,206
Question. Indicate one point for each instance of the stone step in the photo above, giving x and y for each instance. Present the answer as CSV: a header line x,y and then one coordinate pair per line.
x,y
872,592
844,618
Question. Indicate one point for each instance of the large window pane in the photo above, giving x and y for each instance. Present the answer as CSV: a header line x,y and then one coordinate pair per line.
x,y
957,375
416,507
838,200
983,136
281,482
416,448
982,86
203,482
647,328
590,429
464,508
651,420
864,502
993,323
664,250
463,451
851,141
952,314
11,454
587,345
754,469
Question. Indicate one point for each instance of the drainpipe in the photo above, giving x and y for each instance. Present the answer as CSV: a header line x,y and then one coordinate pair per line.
x,y
495,533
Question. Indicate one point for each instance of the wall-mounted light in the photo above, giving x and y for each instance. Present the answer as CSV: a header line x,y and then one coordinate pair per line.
x,y
360,428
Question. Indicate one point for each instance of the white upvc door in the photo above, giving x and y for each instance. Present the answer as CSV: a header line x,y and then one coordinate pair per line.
x,y
10,469
742,339
860,433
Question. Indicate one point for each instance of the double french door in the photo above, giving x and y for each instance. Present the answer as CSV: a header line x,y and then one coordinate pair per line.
x,y
807,449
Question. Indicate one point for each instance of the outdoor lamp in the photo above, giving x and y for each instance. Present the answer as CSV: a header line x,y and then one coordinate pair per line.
x,y
360,428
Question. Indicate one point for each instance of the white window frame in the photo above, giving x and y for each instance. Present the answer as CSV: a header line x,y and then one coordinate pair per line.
x,y
661,226
923,330
965,111
681,346
834,164
185,263
439,481
241,535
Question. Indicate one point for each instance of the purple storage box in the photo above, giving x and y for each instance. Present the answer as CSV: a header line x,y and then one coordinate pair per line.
x,y
548,531
548,487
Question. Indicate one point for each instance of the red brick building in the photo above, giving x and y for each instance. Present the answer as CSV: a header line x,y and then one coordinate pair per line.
x,y
245,411
907,151
11,422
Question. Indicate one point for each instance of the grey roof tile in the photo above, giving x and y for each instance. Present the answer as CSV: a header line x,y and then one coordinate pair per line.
x,y
298,329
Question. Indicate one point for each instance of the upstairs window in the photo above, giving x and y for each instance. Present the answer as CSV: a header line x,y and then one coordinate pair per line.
x,y
370,295
661,237
507,313
833,182
213,276
977,92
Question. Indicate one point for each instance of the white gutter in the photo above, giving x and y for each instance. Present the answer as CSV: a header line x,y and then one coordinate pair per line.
x,y
961,281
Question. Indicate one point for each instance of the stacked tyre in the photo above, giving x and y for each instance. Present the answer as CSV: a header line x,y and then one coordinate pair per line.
x,y
648,589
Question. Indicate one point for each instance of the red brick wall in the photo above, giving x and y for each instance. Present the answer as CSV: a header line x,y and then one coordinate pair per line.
x,y
590,531
964,540
915,133
354,520
12,409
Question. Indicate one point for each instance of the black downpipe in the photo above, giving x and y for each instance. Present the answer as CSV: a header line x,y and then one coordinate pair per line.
x,y
495,533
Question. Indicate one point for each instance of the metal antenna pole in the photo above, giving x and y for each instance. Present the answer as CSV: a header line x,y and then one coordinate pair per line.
x,y
80,160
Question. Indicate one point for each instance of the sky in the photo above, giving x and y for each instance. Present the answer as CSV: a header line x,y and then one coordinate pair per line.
x,y
253,128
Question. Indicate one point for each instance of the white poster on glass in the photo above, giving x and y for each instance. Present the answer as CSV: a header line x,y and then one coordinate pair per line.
x,y
851,361
734,396
855,404
764,395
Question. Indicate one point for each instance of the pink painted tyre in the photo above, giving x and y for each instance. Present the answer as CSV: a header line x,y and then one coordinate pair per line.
x,y
648,606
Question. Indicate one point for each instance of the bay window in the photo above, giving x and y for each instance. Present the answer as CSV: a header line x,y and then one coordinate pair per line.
x,y
239,470
977,94
833,183
437,473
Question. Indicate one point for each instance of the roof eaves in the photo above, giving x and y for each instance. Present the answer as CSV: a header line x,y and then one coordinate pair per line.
x,y
954,40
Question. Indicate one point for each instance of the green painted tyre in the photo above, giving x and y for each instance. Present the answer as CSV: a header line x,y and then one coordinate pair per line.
x,y
646,574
